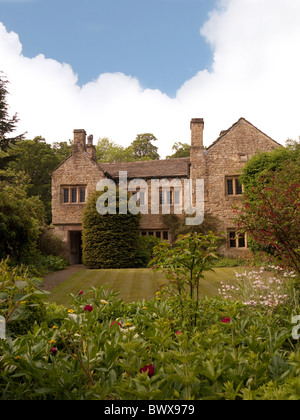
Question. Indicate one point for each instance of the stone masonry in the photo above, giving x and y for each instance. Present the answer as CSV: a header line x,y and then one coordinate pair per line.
x,y
219,166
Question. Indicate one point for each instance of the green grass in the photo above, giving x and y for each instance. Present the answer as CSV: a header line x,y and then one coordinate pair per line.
x,y
133,284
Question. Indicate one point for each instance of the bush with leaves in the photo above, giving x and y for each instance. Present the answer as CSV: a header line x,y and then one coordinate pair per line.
x,y
109,240
104,349
20,299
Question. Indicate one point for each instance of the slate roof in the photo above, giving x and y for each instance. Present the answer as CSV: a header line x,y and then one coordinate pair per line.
x,y
166,168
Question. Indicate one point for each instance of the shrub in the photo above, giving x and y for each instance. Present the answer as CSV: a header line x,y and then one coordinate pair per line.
x,y
49,243
144,252
109,240
20,297
144,351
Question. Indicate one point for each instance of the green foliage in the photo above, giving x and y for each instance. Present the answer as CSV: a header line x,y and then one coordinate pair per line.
x,y
109,151
144,252
49,243
20,219
140,149
180,150
37,160
263,163
271,214
224,261
183,264
185,261
7,127
99,347
143,149
109,240
20,299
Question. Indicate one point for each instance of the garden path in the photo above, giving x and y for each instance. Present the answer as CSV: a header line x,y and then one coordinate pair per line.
x,y
53,279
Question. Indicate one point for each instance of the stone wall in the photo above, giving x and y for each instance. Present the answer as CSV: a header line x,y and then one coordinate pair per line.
x,y
224,158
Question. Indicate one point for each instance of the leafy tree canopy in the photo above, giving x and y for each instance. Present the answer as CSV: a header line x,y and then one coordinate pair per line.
x,y
140,149
271,204
143,149
180,150
37,160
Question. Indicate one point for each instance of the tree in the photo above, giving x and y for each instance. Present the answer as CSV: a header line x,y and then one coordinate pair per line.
x,y
37,159
180,150
143,149
109,240
20,221
184,263
7,127
270,212
62,149
109,151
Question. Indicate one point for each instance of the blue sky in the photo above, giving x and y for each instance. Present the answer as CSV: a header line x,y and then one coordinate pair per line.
x,y
157,41
118,68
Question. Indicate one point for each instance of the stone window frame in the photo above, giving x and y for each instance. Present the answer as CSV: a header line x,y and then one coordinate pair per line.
x,y
235,184
236,241
158,233
70,195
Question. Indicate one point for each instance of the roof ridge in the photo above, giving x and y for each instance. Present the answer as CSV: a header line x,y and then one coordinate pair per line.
x,y
225,132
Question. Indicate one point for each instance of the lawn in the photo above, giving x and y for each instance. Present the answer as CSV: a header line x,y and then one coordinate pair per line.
x,y
133,284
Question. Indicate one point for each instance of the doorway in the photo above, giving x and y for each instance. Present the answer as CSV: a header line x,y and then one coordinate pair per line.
x,y
75,247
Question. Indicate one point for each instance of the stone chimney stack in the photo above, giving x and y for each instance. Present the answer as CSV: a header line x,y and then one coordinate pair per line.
x,y
197,149
90,148
197,127
79,141
197,157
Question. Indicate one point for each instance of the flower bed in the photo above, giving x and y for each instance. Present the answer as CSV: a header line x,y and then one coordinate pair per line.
x,y
102,348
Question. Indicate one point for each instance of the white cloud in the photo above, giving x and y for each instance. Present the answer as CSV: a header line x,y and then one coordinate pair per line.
x,y
255,74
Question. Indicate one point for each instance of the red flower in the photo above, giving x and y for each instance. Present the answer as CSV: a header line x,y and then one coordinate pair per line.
x,y
178,332
113,323
80,293
53,351
226,320
88,308
148,368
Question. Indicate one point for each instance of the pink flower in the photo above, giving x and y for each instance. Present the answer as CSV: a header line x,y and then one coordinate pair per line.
x,y
53,351
178,332
113,323
148,368
88,308
226,320
80,293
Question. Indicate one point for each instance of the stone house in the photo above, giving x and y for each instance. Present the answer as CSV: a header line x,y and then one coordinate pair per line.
x,y
219,166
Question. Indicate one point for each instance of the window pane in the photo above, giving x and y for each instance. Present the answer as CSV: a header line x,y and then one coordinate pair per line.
x,y
73,195
169,197
157,234
66,195
232,241
150,233
230,186
238,187
144,233
82,195
165,236
142,198
161,197
242,242
177,196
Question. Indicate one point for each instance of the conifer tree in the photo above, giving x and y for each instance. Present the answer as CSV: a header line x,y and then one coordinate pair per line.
x,y
7,127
